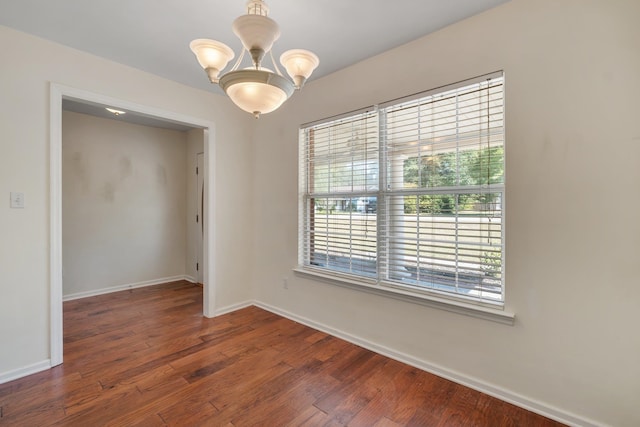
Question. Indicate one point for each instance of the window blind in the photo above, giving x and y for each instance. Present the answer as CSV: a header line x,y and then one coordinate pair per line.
x,y
340,178
445,186
410,195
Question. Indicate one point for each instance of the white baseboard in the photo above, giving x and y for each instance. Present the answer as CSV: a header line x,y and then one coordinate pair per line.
x,y
126,287
5,377
474,383
234,307
190,279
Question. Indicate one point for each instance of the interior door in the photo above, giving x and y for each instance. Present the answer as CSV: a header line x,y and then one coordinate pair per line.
x,y
200,215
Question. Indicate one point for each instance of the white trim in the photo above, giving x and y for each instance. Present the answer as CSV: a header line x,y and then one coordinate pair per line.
x,y
125,287
442,303
55,224
233,307
56,93
209,248
457,377
190,279
34,368
69,92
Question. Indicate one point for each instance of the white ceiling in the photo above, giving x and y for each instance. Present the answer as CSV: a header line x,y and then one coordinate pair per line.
x,y
154,35
134,117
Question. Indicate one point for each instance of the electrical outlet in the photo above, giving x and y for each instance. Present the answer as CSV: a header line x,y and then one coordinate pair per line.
x,y
285,283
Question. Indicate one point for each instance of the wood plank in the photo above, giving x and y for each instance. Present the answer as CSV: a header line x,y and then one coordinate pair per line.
x,y
147,357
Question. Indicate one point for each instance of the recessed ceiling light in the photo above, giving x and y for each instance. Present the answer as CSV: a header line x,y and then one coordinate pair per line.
x,y
116,112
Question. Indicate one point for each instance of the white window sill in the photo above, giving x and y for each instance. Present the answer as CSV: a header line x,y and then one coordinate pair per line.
x,y
468,309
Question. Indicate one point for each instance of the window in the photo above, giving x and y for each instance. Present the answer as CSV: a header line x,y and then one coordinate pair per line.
x,y
409,195
341,159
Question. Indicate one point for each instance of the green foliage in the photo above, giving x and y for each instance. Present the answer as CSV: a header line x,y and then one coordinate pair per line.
x,y
482,167
430,204
449,169
491,263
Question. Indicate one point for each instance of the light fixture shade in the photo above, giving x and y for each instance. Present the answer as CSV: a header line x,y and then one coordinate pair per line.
x,y
212,55
256,32
256,91
300,64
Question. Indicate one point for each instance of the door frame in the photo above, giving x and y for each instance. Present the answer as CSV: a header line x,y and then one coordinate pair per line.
x,y
199,205
58,92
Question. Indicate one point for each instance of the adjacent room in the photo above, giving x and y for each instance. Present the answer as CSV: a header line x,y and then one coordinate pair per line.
x,y
130,204
405,213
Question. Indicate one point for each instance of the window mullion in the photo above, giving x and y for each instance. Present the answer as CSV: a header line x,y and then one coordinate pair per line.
x,y
457,197
382,213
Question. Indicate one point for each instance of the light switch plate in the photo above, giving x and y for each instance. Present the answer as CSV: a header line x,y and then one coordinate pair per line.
x,y
17,200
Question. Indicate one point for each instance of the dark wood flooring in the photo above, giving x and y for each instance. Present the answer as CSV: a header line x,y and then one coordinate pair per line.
x,y
147,357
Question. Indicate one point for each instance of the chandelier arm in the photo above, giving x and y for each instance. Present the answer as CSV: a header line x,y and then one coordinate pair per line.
x,y
237,64
275,66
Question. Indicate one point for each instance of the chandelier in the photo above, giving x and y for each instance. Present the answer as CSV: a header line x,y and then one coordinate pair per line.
x,y
256,89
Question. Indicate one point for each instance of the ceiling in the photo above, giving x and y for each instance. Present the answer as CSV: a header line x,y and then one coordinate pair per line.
x,y
137,118
154,35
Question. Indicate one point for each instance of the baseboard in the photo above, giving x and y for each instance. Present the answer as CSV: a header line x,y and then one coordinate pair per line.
x,y
190,279
126,287
234,307
24,371
471,382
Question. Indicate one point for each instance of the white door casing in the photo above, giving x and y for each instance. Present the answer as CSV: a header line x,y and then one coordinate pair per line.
x,y
57,93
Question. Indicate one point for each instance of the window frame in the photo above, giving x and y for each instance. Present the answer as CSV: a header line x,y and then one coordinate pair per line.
x,y
381,284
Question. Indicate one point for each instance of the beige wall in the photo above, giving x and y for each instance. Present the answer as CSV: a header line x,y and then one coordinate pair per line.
x,y
572,229
124,200
29,65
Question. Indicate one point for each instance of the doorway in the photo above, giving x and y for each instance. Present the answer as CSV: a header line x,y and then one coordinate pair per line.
x,y
208,226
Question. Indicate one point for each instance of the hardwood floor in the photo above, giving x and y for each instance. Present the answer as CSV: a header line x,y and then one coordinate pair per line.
x,y
147,357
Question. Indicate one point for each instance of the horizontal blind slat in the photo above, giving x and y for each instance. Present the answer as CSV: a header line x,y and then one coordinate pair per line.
x,y
411,194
